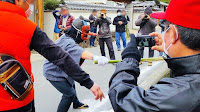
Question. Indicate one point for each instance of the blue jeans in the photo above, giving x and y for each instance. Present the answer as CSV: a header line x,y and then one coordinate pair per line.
x,y
69,95
123,36
92,38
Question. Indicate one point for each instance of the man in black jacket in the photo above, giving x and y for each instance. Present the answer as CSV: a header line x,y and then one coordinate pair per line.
x,y
181,42
93,28
120,22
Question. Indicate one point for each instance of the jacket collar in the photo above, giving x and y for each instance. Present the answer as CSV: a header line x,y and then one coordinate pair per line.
x,y
184,65
8,7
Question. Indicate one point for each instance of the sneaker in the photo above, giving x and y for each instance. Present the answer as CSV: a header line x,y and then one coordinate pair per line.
x,y
119,49
150,64
80,106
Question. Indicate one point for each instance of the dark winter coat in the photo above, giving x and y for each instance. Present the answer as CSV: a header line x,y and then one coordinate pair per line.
x,y
180,93
120,28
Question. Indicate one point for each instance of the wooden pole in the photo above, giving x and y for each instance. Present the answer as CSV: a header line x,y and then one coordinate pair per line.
x,y
40,14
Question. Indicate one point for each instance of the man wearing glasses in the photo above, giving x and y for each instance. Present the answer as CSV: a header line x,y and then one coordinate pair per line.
x,y
181,42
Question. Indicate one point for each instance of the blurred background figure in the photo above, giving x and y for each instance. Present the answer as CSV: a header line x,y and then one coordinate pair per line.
x,y
93,28
65,20
120,22
128,20
57,16
104,33
147,26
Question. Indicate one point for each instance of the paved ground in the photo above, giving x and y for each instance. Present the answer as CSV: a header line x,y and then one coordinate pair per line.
x,y
47,97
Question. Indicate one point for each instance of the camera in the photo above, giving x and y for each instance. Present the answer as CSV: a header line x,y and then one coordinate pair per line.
x,y
62,27
146,16
145,41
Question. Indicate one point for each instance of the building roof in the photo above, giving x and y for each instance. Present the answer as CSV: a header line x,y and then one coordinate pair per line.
x,y
143,3
88,6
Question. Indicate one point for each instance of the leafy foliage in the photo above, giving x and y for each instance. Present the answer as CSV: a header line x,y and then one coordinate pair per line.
x,y
166,1
51,4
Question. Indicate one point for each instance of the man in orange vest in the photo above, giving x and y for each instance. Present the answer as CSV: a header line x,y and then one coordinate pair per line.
x,y
18,37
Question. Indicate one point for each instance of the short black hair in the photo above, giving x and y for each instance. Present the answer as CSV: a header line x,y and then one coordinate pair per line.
x,y
94,10
10,1
189,37
119,10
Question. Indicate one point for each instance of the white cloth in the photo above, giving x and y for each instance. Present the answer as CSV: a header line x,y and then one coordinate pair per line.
x,y
64,21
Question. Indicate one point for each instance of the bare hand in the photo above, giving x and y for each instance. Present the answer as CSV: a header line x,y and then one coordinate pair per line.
x,y
96,90
64,28
159,46
120,22
143,15
59,26
148,17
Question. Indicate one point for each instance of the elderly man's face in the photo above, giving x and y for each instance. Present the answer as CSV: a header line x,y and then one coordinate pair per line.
x,y
171,40
64,11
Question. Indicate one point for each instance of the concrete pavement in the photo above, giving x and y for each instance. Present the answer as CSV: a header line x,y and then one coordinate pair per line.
x,y
47,97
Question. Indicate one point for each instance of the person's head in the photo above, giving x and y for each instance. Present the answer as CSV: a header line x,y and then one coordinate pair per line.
x,y
119,12
148,11
103,11
123,12
80,30
64,10
182,33
94,12
26,5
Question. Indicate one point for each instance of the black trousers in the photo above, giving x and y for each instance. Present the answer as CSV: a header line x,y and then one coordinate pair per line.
x,y
28,108
109,44
151,52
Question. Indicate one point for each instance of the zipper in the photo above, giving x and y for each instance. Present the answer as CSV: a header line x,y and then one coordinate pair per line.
x,y
6,86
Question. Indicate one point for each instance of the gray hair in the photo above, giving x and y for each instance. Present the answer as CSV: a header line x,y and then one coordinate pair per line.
x,y
188,36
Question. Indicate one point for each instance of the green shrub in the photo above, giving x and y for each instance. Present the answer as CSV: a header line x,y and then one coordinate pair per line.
x,y
51,4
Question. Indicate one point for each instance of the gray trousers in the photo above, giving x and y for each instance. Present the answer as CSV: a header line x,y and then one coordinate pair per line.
x,y
109,44
151,52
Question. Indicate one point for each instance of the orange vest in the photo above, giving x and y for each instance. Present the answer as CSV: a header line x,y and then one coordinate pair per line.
x,y
16,32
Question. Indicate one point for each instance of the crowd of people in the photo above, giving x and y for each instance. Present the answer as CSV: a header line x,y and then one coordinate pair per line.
x,y
179,41
99,23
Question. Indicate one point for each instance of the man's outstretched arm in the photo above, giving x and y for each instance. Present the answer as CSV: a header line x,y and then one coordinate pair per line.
x,y
43,45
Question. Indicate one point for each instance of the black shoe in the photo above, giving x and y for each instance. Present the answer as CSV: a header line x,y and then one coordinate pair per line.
x,y
80,106
119,49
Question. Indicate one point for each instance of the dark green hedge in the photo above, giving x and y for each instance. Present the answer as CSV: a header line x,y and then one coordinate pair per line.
x,y
51,4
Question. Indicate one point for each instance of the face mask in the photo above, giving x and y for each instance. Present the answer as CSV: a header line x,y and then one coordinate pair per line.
x,y
119,14
58,14
29,11
163,37
84,32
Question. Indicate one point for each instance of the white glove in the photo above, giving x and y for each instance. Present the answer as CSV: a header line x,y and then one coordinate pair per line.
x,y
101,60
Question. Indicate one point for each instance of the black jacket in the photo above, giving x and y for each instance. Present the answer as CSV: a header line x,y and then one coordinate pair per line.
x,y
180,93
120,28
92,20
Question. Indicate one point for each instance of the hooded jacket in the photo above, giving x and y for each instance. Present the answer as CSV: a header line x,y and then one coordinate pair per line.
x,y
180,93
